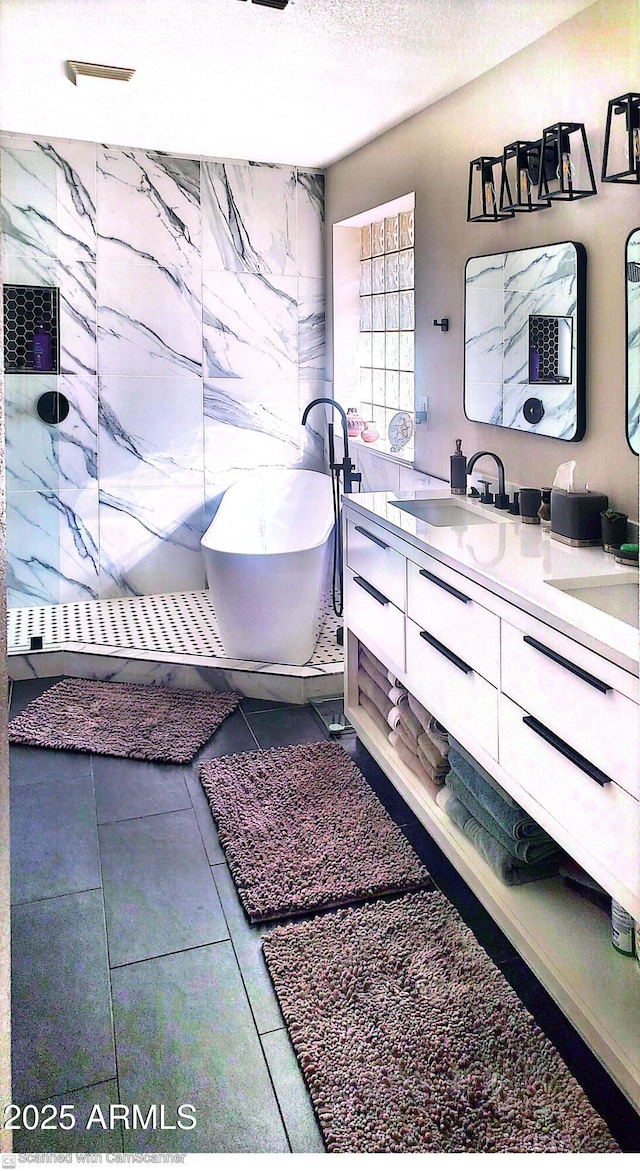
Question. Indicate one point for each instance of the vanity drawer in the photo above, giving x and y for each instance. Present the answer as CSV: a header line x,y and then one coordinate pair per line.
x,y
449,688
374,619
601,819
370,554
438,599
569,689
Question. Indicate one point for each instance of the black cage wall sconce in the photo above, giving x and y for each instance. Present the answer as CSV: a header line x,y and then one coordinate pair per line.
x,y
482,201
521,177
565,171
621,158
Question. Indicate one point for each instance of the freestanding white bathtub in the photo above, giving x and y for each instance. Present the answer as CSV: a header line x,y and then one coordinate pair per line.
x,y
265,553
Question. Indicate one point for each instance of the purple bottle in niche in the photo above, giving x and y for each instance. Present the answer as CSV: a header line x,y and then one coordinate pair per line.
x,y
42,348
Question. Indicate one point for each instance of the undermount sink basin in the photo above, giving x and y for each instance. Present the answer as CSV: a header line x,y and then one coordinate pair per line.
x,y
448,513
614,594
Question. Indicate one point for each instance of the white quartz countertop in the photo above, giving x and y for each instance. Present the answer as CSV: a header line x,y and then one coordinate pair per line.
x,y
517,562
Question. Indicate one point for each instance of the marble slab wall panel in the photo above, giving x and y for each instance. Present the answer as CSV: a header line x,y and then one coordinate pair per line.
x,y
250,326
311,230
249,218
54,458
150,540
193,289
148,209
77,285
151,431
48,199
52,538
149,320
311,324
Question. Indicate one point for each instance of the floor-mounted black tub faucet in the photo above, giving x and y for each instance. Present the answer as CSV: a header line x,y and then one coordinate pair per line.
x,y
349,474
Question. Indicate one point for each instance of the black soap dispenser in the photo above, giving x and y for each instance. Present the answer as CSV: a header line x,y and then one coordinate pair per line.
x,y
458,474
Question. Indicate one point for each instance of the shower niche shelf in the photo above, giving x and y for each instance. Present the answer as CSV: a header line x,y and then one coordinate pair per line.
x,y
25,307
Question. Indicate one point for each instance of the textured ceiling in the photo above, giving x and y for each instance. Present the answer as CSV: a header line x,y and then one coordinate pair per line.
x,y
305,85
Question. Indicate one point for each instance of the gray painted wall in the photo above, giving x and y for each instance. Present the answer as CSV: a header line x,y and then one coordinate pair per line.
x,y
570,74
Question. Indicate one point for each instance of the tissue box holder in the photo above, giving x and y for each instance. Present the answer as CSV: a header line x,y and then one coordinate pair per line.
x,y
575,517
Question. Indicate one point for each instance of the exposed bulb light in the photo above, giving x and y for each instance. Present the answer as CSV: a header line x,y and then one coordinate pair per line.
x,y
621,157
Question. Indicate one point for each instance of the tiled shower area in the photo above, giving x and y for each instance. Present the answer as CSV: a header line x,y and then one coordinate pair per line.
x,y
191,336
167,639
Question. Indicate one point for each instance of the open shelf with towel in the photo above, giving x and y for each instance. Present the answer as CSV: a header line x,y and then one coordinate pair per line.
x,y
492,672
565,940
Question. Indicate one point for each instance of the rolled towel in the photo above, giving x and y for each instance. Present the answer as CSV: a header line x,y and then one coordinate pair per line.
x,y
437,772
378,677
367,657
398,693
421,765
515,821
432,753
419,711
527,851
382,702
393,718
410,722
371,709
507,868
413,763
438,736
405,736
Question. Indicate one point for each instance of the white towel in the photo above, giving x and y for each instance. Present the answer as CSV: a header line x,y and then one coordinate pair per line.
x,y
393,718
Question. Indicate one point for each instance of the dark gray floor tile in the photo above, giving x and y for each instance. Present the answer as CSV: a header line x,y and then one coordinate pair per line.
x,y
137,788
300,1121
31,766
291,725
261,705
204,817
54,841
158,889
184,1034
92,1132
61,1026
24,690
232,736
247,943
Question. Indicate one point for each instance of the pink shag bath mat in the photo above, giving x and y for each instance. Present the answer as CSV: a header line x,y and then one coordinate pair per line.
x,y
411,1040
135,720
302,830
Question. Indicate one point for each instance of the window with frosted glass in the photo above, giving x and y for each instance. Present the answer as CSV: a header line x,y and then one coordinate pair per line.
x,y
387,326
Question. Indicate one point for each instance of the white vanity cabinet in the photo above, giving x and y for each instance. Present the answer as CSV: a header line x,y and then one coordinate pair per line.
x,y
552,720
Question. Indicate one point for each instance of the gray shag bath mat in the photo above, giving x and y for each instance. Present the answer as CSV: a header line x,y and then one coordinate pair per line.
x,y
411,1040
302,830
135,720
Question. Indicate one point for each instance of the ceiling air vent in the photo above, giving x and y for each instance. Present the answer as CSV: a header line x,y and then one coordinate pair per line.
x,y
272,3
78,69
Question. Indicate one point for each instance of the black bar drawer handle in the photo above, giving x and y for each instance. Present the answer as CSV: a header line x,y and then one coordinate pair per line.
x,y
444,650
566,750
567,664
444,585
372,590
376,540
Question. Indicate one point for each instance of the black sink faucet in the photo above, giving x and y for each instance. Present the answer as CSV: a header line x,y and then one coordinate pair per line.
x,y
349,474
501,498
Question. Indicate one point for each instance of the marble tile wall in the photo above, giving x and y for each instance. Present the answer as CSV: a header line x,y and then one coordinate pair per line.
x,y
192,337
